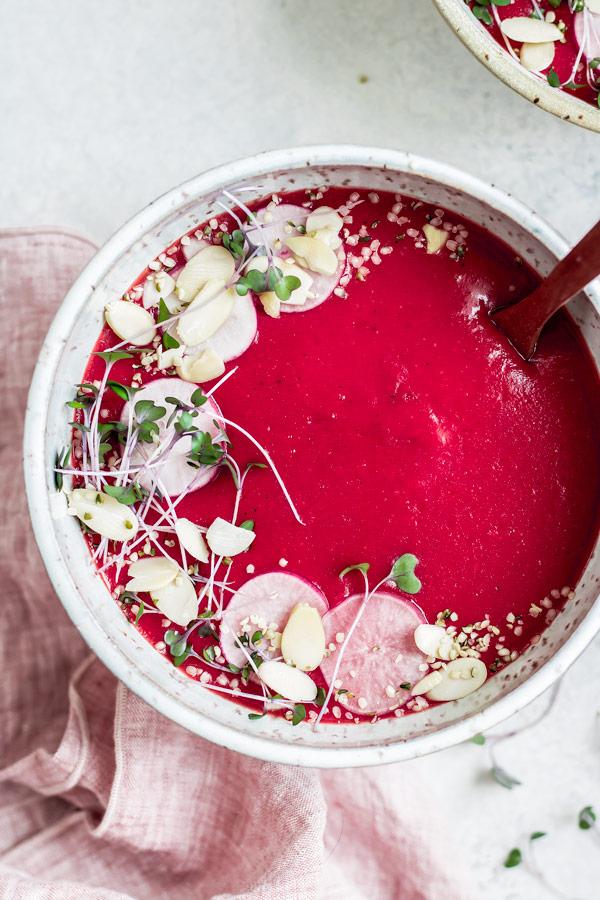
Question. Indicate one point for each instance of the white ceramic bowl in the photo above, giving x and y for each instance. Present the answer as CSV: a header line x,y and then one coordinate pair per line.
x,y
564,104
83,594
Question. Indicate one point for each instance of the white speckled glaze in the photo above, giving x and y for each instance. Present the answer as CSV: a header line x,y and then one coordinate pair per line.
x,y
83,594
564,104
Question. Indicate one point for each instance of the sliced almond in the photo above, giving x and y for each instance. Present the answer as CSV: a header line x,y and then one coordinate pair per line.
x,y
325,224
291,683
433,640
226,539
436,238
271,304
177,600
303,638
427,683
151,573
212,263
210,309
192,539
159,286
530,31
313,254
459,679
168,359
537,57
203,367
103,514
130,322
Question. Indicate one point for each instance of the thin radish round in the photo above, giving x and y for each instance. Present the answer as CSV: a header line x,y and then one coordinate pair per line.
x,y
590,41
380,656
235,336
174,473
276,223
321,288
269,599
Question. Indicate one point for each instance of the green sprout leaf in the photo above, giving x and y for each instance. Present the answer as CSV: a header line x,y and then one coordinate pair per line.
x,y
481,13
248,525
513,859
320,698
536,835
121,390
587,817
256,715
235,243
403,574
478,739
299,714
112,356
126,495
140,612
198,398
553,79
61,461
359,567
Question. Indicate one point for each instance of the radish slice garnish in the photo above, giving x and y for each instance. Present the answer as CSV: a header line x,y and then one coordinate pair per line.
x,y
590,42
380,656
173,472
268,601
276,224
235,336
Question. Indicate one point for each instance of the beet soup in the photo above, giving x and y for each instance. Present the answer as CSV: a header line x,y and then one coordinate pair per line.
x,y
311,472
556,40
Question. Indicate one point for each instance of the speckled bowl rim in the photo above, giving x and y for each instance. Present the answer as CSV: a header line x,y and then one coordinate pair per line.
x,y
482,45
36,468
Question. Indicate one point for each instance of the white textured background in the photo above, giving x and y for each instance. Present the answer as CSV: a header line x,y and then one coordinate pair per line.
x,y
105,104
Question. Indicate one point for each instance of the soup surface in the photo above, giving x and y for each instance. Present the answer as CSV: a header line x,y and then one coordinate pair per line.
x,y
351,498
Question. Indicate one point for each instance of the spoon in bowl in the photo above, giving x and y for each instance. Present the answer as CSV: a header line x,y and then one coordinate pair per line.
x,y
523,321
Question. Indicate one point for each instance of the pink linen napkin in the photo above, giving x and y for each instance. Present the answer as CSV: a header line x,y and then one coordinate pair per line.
x,y
101,797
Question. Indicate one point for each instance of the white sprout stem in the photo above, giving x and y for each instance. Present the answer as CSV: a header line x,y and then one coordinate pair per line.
x,y
507,43
582,47
237,693
537,9
254,220
343,646
267,456
266,693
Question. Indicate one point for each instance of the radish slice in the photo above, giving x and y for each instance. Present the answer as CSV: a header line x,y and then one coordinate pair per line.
x,y
277,223
321,288
235,336
380,656
175,474
591,46
269,599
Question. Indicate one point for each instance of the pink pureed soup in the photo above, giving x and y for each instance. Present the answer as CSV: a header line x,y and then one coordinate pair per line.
x,y
557,40
315,477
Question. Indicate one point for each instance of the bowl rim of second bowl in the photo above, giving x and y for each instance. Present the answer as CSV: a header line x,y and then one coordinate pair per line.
x,y
36,463
497,59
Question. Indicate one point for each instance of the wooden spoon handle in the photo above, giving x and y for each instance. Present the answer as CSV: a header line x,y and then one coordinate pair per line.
x,y
527,318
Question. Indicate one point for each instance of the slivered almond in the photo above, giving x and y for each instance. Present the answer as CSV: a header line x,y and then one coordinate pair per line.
x,y
433,640
271,304
291,683
325,224
213,262
151,573
130,322
427,683
159,285
103,514
192,539
436,238
210,309
177,599
226,539
530,31
203,367
536,57
303,638
313,254
460,678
